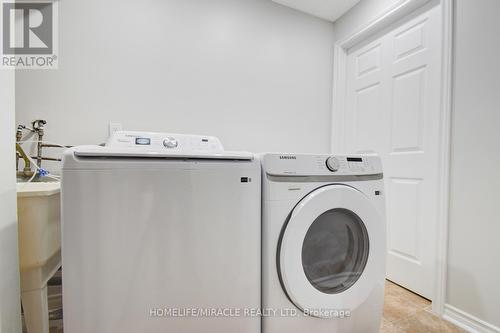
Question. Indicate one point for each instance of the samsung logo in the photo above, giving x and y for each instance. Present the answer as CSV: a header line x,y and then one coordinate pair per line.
x,y
283,157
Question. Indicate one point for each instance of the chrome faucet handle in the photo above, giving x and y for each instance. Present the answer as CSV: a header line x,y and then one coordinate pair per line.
x,y
38,124
21,128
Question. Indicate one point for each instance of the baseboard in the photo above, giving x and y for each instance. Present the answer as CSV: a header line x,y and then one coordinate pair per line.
x,y
468,322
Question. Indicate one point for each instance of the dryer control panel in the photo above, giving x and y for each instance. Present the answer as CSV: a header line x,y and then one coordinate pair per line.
x,y
164,141
321,165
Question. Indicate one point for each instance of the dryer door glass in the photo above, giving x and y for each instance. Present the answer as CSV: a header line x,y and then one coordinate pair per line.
x,y
335,251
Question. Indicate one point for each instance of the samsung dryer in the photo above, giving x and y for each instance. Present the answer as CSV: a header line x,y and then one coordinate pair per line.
x,y
160,233
323,243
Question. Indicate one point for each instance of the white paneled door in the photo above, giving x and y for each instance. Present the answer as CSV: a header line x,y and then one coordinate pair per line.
x,y
393,107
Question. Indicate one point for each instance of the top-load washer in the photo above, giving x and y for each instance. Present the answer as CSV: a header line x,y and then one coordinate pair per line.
x,y
160,233
323,243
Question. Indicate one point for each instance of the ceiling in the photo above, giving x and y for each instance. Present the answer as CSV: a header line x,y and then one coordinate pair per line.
x,y
326,9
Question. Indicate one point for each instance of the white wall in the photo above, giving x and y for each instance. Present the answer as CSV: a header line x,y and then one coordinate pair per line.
x,y
10,316
474,247
254,73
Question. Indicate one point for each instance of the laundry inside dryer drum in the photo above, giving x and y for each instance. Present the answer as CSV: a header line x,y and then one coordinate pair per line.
x,y
335,251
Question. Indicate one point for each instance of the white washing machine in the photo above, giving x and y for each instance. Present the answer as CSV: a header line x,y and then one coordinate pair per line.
x,y
323,243
160,233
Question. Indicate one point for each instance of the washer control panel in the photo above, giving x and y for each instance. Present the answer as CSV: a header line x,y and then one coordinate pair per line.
x,y
164,141
321,165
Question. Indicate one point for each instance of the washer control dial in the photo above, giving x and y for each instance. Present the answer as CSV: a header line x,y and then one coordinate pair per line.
x,y
170,142
333,164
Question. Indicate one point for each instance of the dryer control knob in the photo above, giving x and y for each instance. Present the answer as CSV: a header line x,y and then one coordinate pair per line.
x,y
170,142
332,164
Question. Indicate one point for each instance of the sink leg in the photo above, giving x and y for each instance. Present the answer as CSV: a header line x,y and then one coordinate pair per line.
x,y
36,310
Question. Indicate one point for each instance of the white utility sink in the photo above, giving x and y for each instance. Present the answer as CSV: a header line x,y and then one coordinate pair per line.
x,y
39,225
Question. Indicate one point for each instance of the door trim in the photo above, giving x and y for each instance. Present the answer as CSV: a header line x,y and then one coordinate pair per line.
x,y
391,15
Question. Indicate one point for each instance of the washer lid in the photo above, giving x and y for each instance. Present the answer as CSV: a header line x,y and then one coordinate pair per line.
x,y
133,152
332,251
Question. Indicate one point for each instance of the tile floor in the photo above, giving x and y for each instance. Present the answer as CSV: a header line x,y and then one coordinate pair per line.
x,y
404,312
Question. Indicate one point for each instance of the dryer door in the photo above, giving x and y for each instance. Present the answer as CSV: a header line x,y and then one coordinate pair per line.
x,y
332,251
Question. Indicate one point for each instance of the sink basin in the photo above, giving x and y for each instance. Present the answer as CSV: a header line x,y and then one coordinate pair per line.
x,y
38,206
39,226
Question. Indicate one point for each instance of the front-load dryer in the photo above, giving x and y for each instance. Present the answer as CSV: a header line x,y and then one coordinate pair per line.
x,y
323,243
160,234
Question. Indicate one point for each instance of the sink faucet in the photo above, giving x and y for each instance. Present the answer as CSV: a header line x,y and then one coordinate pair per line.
x,y
19,136
38,128
27,164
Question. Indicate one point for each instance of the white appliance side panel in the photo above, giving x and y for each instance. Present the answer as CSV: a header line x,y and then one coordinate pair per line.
x,y
134,240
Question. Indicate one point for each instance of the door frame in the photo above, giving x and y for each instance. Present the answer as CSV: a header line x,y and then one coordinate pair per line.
x,y
394,13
